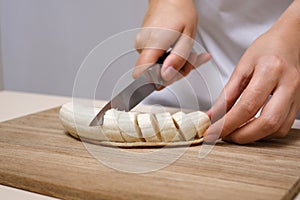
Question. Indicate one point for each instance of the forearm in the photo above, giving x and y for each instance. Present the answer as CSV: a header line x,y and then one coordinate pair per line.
x,y
288,25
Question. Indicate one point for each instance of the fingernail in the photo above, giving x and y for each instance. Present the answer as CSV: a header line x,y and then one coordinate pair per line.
x,y
168,73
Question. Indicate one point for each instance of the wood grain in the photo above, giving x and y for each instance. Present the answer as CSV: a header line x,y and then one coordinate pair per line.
x,y
37,155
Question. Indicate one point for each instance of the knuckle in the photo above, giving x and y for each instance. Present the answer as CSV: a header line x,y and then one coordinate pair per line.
x,y
179,61
270,124
138,41
249,107
272,64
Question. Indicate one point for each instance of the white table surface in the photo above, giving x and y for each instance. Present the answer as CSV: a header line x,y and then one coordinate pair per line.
x,y
17,104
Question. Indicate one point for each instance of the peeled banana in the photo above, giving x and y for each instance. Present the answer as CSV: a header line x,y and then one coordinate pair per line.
x,y
129,129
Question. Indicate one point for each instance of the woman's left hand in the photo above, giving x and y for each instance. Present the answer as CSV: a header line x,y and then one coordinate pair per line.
x,y
270,66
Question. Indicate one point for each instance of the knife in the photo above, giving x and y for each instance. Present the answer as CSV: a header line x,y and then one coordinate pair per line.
x,y
136,91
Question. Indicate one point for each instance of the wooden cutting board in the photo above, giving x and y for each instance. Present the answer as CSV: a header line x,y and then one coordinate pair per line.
x,y
37,155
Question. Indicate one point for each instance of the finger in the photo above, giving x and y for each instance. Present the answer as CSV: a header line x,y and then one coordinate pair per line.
x,y
151,43
195,60
288,122
141,39
271,119
284,129
201,59
185,70
178,57
232,90
155,38
146,59
252,99
183,46
171,66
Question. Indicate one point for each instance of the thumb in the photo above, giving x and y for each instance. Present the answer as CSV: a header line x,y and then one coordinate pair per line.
x,y
145,60
178,57
172,66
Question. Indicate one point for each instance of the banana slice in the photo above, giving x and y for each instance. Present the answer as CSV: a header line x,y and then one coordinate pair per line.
x,y
131,129
201,122
149,128
185,125
110,126
76,119
167,128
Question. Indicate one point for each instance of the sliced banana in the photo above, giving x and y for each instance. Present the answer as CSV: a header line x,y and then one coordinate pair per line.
x,y
185,125
167,128
201,121
149,128
110,126
76,119
130,129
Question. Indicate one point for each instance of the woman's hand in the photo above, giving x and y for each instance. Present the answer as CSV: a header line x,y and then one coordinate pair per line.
x,y
270,66
168,23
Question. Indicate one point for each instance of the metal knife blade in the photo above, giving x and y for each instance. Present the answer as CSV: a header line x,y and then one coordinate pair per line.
x,y
136,91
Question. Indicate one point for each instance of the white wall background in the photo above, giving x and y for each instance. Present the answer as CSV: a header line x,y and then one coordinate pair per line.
x,y
44,42
1,74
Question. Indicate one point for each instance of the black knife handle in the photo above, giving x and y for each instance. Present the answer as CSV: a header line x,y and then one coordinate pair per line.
x,y
163,57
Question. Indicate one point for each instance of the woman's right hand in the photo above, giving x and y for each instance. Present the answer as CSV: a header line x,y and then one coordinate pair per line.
x,y
169,23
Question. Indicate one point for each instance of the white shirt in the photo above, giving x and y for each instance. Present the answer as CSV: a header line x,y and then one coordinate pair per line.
x,y
226,28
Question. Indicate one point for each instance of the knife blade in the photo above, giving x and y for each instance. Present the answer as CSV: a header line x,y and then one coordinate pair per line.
x,y
136,91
